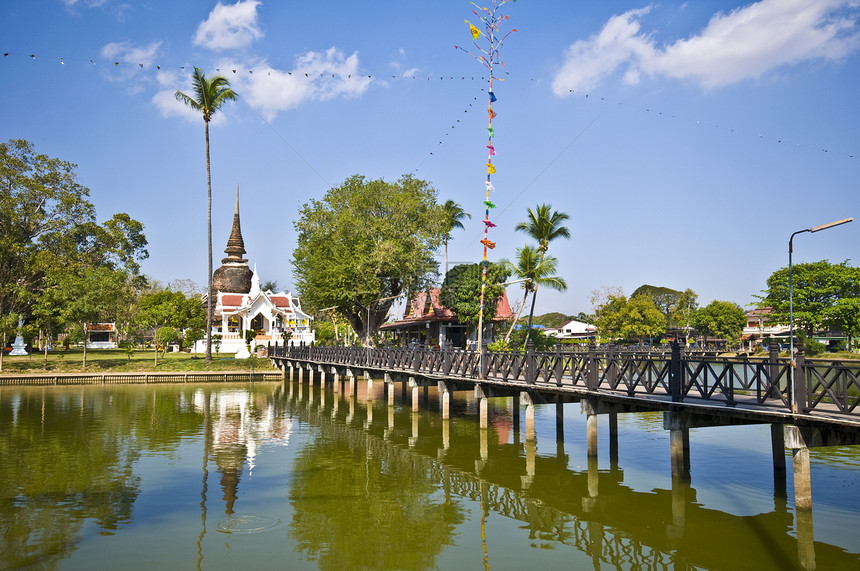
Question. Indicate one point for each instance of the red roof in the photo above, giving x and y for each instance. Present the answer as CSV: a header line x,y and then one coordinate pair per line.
x,y
424,309
280,300
231,300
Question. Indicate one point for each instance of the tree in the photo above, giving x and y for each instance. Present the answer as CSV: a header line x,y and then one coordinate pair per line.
x,y
676,305
461,292
544,225
637,318
845,316
818,287
364,244
166,308
453,214
537,270
54,257
720,319
209,95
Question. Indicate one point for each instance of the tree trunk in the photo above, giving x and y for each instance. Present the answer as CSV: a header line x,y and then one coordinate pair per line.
x,y
85,347
517,318
209,241
531,314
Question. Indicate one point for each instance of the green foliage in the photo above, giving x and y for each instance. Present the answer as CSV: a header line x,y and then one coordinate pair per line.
x,y
720,319
822,293
676,306
216,342
461,292
364,242
637,318
166,335
166,307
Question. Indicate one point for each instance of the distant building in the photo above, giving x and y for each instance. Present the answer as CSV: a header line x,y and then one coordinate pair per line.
x,y
101,336
572,329
758,329
428,322
241,305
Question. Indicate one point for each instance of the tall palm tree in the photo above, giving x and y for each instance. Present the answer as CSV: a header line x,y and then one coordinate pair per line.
x,y
209,95
537,269
453,214
544,225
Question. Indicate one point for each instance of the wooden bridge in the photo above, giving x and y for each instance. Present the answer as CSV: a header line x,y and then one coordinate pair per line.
x,y
808,403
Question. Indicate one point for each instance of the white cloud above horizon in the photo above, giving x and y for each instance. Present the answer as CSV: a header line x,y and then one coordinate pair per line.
x,y
229,27
316,76
746,43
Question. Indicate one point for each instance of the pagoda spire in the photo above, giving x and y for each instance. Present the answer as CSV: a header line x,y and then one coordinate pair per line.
x,y
235,244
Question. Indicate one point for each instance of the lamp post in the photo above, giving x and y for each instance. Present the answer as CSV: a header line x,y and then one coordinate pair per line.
x,y
791,285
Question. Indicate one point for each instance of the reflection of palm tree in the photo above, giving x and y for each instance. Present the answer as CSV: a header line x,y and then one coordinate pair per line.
x,y
209,95
537,270
544,225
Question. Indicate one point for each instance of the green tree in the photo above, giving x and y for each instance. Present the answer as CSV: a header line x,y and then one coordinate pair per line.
x,y
537,269
164,336
365,243
817,288
167,308
544,225
454,214
676,306
209,94
720,319
845,316
461,292
636,318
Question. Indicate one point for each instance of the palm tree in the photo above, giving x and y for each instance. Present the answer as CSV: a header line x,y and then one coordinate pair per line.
x,y
453,213
209,95
544,225
536,269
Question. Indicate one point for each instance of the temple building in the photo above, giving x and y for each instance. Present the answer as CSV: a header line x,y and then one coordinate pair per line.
x,y
240,305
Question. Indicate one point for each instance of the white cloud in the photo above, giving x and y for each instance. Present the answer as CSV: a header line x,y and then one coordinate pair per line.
x,y
133,60
316,76
748,42
229,27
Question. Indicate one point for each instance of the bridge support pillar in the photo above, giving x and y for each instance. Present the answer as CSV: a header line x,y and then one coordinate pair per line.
x,y
300,386
321,370
613,440
350,375
446,400
389,385
335,379
414,386
589,408
526,399
482,406
679,443
516,415
559,421
797,441
301,374
368,395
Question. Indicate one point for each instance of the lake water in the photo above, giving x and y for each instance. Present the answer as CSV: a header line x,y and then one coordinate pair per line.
x,y
278,475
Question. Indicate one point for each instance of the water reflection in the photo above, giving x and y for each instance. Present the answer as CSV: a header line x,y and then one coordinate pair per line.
x,y
358,484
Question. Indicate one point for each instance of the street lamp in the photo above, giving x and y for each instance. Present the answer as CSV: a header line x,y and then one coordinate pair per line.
x,y
791,287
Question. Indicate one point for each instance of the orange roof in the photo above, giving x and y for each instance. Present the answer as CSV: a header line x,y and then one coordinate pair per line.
x,y
231,300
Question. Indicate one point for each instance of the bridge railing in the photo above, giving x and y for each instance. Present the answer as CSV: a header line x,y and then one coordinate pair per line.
x,y
768,380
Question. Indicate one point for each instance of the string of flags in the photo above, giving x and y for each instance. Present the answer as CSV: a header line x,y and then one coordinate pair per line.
x,y
589,97
488,53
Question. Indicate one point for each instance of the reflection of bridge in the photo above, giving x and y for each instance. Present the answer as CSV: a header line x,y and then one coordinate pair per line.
x,y
809,403
590,509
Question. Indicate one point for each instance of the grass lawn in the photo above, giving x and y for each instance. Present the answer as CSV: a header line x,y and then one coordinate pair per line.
x,y
118,361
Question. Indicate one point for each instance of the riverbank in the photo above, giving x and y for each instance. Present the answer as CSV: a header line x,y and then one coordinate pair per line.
x,y
118,361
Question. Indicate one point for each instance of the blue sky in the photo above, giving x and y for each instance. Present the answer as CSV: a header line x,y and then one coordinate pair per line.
x,y
686,140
